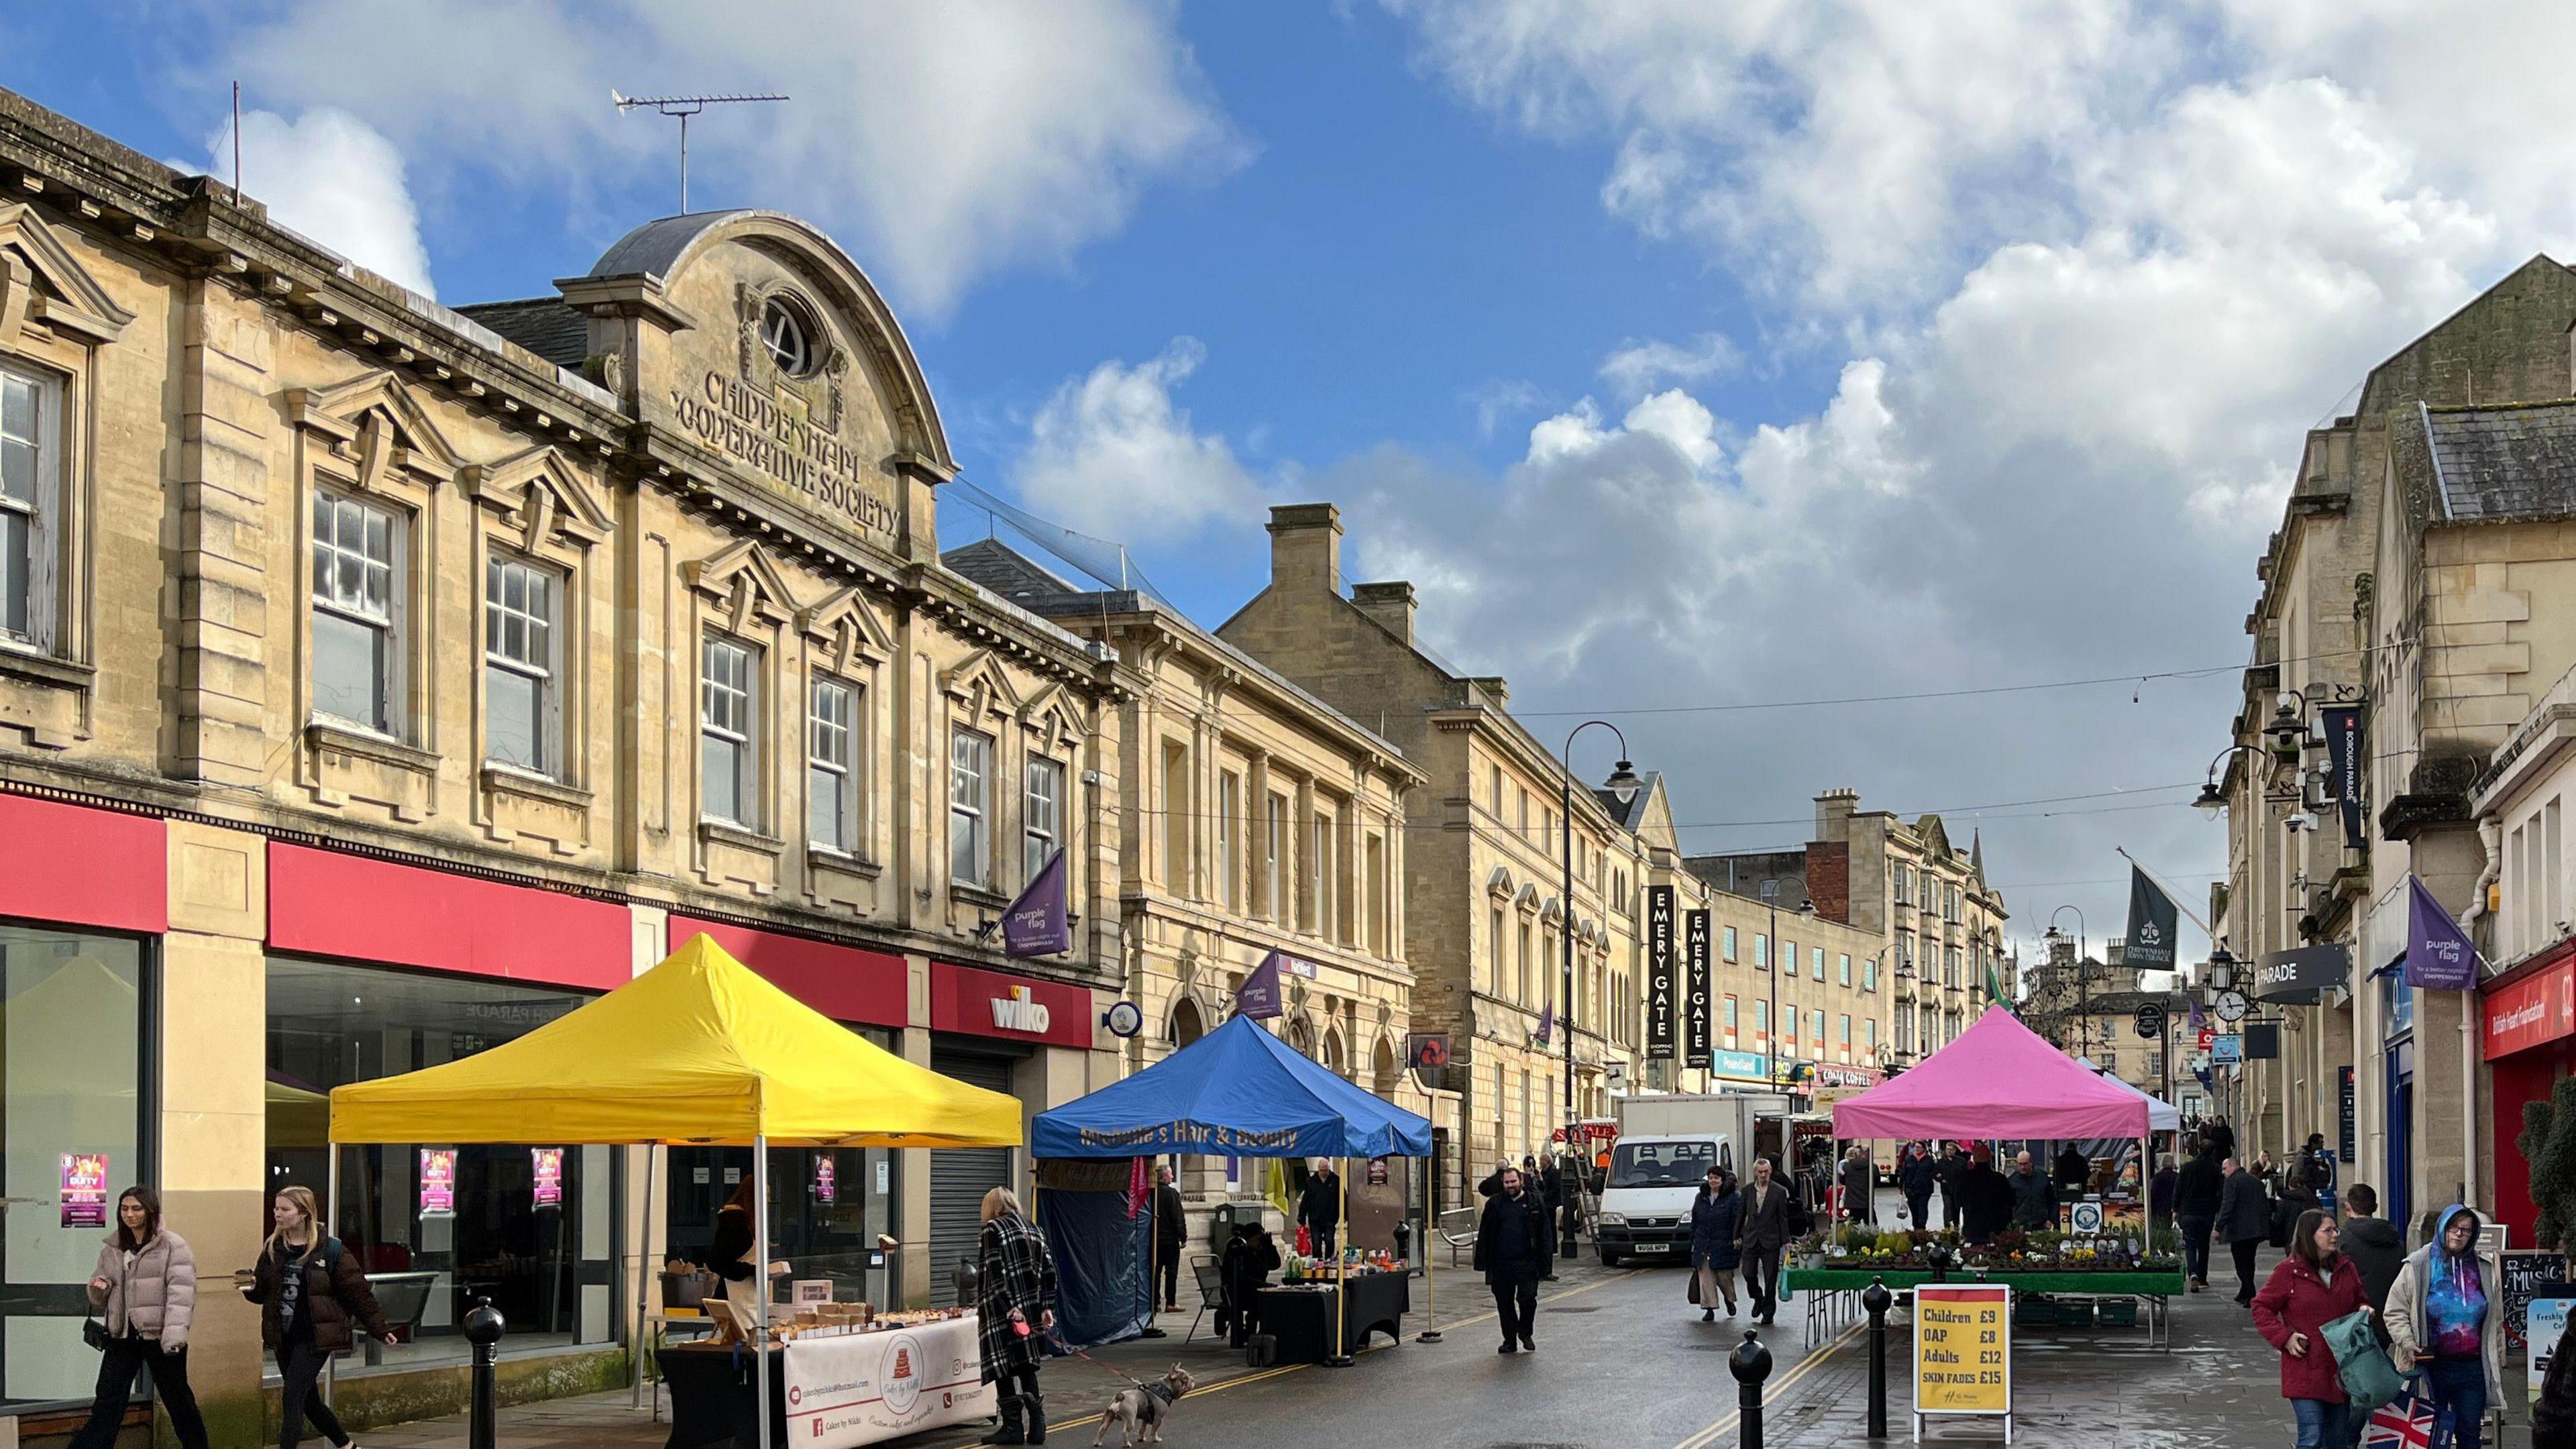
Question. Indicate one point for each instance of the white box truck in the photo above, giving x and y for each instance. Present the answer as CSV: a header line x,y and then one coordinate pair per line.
x,y
1667,1142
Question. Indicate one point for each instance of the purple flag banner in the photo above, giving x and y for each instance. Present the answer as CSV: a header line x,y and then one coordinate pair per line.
x,y
1040,922
1259,996
2438,953
1547,1023
2198,1019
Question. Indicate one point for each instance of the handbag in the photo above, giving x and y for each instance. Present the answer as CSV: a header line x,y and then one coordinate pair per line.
x,y
1694,1288
94,1333
2368,1376
2404,1422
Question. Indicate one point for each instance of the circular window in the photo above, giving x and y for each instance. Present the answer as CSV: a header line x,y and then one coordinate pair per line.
x,y
788,337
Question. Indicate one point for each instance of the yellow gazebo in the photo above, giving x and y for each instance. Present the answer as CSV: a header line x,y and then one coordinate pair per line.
x,y
700,1050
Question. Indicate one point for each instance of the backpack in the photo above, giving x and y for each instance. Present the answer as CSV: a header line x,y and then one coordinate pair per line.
x,y
2369,1378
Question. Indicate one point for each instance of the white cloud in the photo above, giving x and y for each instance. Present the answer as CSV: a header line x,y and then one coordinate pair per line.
x,y
1639,364
333,178
1110,453
2088,272
944,142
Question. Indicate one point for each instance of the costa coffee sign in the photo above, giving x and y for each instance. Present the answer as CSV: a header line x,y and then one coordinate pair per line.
x,y
971,1002
2531,1012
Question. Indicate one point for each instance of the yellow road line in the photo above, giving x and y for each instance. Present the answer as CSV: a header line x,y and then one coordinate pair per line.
x,y
1260,1374
1708,1436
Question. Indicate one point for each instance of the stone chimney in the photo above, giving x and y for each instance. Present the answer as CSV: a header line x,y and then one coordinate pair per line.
x,y
1390,604
1306,546
1493,688
1834,810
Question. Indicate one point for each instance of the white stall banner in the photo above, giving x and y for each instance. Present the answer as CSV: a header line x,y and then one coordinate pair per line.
x,y
860,1388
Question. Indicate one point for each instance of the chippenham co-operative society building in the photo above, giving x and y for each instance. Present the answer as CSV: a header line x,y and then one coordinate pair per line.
x,y
379,681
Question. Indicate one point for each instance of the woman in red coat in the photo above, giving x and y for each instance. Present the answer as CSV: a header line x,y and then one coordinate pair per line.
x,y
2315,1285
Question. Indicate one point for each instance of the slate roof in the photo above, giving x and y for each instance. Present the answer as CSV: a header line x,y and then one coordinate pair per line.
x,y
2513,461
1004,570
543,325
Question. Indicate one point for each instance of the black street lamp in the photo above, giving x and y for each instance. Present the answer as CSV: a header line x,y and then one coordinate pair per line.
x,y
1624,784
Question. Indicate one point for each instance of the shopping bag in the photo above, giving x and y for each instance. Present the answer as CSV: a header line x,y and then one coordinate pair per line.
x,y
2369,1378
1694,1287
2404,1422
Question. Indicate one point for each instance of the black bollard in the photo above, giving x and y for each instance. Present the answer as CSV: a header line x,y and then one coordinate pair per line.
x,y
1751,1364
1876,1299
483,1327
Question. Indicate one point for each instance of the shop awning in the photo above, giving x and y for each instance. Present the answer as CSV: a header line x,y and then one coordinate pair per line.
x,y
700,1049
1999,1080
1236,1092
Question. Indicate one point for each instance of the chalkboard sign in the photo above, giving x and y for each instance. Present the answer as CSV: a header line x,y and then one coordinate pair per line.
x,y
2529,1275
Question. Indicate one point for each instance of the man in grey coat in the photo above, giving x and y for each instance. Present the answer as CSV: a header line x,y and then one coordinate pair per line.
x,y
1760,1234
2244,1220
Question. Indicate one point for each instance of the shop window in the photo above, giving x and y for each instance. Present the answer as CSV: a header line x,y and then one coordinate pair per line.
x,y
522,716
832,766
437,1225
357,637
827,1207
1041,816
30,502
730,766
72,1032
970,808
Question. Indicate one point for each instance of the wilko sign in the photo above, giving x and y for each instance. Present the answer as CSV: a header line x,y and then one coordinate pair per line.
x,y
1020,1011
971,1002
2532,1011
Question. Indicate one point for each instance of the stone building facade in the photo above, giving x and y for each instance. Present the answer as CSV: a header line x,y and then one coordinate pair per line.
x,y
2425,574
1252,817
1909,897
380,679
1483,866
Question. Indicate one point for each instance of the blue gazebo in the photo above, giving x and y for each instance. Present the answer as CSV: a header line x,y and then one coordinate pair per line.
x,y
1239,1091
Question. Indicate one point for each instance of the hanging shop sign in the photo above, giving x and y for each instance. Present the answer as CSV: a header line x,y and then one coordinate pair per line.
x,y
1661,989
1962,1352
2227,1051
84,1189
2301,977
2262,1041
2342,724
1696,1037
438,1182
1741,1066
545,1170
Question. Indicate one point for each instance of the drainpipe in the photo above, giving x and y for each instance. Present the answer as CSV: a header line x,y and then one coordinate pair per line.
x,y
2491,840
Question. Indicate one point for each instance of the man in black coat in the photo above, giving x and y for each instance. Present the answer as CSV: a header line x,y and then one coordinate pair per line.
x,y
1949,1174
1170,1231
1514,1250
2372,1243
1985,1199
2074,1171
1915,1175
2244,1220
1319,1210
2196,1212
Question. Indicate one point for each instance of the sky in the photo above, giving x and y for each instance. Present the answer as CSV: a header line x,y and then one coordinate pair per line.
x,y
1815,389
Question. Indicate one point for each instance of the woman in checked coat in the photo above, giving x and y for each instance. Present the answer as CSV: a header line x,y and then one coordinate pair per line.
x,y
1015,1294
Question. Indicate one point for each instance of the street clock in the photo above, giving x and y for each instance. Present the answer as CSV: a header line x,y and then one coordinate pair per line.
x,y
2231,1006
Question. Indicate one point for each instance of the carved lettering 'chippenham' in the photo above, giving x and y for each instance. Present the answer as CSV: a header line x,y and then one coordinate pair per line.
x,y
746,424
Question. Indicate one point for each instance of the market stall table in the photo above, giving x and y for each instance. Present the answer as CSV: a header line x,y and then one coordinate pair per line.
x,y
1300,1315
831,1391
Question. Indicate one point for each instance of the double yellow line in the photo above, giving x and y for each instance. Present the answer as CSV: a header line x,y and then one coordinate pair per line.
x,y
1258,1375
1708,1436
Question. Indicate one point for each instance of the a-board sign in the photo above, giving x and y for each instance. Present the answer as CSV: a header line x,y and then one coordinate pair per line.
x,y
2528,1275
2546,1331
1962,1350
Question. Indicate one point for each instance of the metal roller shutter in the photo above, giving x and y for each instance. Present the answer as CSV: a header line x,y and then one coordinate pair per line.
x,y
960,1176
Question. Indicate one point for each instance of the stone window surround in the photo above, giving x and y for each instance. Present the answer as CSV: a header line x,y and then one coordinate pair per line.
x,y
979,693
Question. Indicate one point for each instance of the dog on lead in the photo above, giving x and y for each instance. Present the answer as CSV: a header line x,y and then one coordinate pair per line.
x,y
1140,1409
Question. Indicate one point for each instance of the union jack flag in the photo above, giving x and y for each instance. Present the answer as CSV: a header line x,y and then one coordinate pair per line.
x,y
2405,1422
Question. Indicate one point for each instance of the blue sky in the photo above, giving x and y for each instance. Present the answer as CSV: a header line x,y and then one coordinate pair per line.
x,y
1681,354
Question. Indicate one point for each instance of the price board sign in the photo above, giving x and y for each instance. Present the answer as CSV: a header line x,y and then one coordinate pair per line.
x,y
1962,1352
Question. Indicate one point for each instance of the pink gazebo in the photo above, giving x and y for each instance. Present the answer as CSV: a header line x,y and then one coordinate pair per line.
x,y
1999,1080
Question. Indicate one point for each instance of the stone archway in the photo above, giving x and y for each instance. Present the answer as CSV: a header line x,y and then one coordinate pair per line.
x,y
1187,1025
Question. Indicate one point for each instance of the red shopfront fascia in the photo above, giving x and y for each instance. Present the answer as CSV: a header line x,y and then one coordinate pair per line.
x,y
2528,1020
75,866
354,907
861,988
970,1002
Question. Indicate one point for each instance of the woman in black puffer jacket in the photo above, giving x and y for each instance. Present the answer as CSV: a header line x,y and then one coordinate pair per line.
x,y
1715,1215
